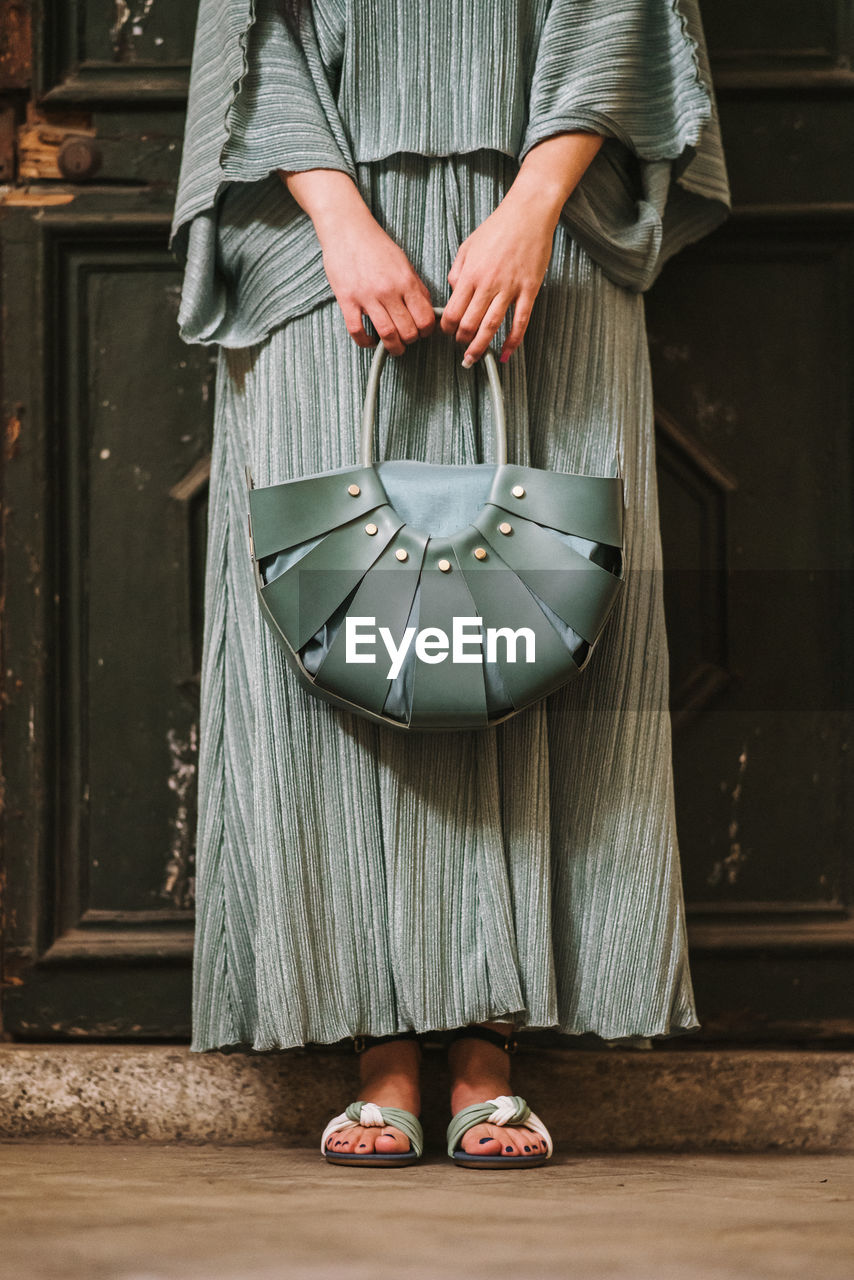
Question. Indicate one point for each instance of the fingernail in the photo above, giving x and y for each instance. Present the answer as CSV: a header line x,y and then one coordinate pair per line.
x,y
503,359
467,362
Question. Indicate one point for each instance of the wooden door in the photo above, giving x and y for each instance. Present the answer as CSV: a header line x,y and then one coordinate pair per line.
x,y
750,335
107,419
107,431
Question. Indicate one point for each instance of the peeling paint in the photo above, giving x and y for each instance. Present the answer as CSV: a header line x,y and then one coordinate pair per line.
x,y
12,434
726,870
128,26
179,884
34,197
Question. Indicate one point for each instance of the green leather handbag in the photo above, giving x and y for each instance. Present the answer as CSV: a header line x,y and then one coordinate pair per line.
x,y
435,597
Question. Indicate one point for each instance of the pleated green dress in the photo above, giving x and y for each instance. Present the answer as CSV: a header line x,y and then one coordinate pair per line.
x,y
354,879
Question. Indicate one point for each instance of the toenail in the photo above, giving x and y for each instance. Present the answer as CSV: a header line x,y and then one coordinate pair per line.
x,y
362,1144
527,1148
508,1148
486,1140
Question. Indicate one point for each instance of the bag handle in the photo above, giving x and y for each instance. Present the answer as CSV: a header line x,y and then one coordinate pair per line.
x,y
499,420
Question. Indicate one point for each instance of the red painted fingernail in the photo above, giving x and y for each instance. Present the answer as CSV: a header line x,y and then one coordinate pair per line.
x,y
503,359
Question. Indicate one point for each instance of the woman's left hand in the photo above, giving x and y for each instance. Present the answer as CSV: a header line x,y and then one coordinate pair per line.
x,y
505,259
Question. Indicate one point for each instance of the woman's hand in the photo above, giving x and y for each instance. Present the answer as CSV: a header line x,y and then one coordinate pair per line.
x,y
504,260
368,272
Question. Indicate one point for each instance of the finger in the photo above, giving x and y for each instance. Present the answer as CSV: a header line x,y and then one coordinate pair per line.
x,y
402,319
473,316
489,326
456,306
521,316
421,309
386,328
457,266
354,320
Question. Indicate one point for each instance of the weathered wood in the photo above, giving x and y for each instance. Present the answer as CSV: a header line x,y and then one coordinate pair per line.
x,y
42,137
16,45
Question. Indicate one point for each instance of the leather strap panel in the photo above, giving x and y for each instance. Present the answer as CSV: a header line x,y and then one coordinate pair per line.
x,y
579,591
385,594
442,684
503,601
304,596
588,506
283,515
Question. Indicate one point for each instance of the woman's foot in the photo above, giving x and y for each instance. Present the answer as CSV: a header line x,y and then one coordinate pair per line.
x,y
389,1077
480,1070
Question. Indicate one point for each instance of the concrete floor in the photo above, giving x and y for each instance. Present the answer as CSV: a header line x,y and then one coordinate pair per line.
x,y
133,1212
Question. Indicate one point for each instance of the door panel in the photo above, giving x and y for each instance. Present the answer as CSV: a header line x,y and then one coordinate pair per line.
x,y
750,338
113,475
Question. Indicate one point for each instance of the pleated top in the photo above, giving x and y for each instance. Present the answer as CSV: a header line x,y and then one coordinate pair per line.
x,y
371,78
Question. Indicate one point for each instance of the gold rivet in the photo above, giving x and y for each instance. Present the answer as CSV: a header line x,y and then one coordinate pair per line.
x,y
370,528
402,554
354,490
505,527
518,491
444,565
479,553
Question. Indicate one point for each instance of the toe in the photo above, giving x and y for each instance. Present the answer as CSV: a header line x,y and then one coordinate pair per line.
x,y
342,1141
481,1140
528,1142
391,1139
514,1142
364,1144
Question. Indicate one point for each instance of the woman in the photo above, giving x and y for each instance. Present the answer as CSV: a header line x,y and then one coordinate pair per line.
x,y
530,165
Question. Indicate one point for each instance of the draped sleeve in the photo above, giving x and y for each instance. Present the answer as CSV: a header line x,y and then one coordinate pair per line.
x,y
259,101
636,72
371,78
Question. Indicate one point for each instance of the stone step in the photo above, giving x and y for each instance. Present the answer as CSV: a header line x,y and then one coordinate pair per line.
x,y
597,1100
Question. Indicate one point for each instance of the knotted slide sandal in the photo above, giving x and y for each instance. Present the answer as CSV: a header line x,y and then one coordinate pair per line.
x,y
503,1110
370,1116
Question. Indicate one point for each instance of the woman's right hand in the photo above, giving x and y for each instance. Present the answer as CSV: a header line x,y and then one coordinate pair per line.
x,y
368,272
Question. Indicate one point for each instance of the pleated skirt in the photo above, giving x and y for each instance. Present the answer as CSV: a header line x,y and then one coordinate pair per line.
x,y
357,879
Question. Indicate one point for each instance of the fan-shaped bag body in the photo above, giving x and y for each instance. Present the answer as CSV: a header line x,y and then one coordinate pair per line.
x,y
437,597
